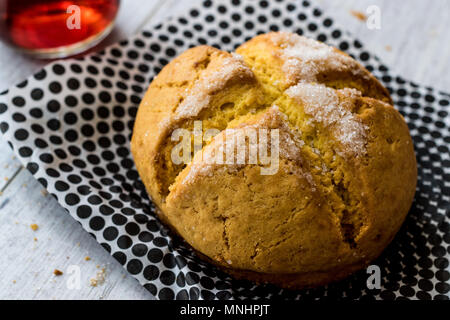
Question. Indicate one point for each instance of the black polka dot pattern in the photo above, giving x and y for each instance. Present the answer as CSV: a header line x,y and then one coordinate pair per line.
x,y
71,122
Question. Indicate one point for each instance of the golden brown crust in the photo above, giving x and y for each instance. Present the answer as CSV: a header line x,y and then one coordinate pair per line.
x,y
268,50
346,174
157,115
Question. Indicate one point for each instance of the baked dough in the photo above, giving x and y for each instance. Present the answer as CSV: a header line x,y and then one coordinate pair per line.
x,y
346,172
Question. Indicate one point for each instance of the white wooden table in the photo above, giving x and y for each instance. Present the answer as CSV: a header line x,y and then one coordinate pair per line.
x,y
413,41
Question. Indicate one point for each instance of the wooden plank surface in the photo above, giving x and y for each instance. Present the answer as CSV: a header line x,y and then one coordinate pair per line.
x,y
9,166
27,265
29,257
413,41
414,38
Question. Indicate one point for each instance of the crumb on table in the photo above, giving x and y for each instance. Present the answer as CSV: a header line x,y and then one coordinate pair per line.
x,y
57,272
358,15
34,226
87,258
99,278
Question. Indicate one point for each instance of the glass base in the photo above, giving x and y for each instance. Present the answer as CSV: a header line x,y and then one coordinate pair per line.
x,y
71,50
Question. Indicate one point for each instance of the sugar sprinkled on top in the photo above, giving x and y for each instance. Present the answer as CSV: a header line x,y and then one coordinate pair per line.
x,y
325,106
305,58
198,97
290,144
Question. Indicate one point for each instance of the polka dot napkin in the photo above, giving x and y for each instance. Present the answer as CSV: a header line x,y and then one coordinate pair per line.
x,y
71,124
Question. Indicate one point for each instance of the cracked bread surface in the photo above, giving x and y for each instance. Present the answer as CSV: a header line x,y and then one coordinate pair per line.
x,y
346,176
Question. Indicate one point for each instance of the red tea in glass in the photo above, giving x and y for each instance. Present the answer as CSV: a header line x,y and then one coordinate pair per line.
x,y
56,28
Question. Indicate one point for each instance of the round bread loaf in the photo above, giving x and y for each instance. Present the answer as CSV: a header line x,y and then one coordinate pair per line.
x,y
345,166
